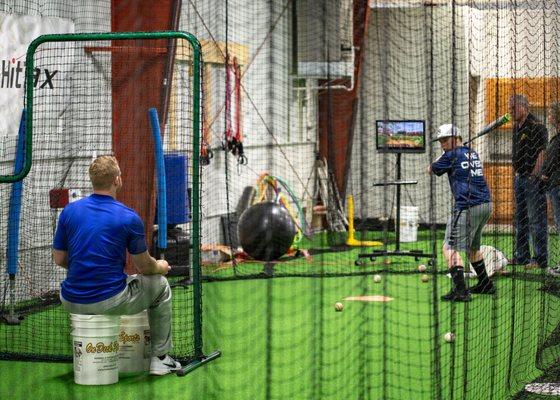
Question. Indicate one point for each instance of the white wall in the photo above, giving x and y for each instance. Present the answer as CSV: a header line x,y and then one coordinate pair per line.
x,y
508,43
279,122
54,139
408,76
275,126
418,66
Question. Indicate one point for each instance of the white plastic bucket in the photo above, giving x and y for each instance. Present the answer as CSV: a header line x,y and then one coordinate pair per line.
x,y
134,343
95,346
409,224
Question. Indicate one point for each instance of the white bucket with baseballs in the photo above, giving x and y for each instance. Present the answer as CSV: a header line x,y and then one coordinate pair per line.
x,y
134,343
96,349
409,224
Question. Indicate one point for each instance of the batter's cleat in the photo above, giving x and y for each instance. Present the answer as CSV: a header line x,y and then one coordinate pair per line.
x,y
531,265
456,296
483,288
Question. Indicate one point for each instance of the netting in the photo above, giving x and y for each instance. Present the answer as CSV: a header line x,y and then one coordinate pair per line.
x,y
329,109
333,69
84,109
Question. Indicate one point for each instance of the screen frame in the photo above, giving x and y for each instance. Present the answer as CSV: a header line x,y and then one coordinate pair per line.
x,y
385,149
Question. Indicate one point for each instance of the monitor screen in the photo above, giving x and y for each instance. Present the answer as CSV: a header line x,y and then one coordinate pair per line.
x,y
400,136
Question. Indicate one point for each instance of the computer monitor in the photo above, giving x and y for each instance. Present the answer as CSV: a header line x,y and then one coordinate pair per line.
x,y
400,136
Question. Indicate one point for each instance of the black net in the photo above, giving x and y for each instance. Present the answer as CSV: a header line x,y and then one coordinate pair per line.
x,y
82,107
320,120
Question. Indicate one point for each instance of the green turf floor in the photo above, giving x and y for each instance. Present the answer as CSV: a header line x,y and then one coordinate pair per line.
x,y
282,339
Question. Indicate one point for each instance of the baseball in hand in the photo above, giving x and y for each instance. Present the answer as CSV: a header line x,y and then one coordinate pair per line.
x,y
163,266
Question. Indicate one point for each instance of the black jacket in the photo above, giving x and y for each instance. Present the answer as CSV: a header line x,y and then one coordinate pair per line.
x,y
528,141
551,164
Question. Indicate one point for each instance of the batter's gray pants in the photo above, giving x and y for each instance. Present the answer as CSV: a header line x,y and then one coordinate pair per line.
x,y
464,228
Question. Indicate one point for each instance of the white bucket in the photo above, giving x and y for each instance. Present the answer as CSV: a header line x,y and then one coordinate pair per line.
x,y
409,224
134,343
95,344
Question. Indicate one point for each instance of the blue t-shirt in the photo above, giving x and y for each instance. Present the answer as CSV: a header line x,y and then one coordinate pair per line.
x,y
96,232
464,170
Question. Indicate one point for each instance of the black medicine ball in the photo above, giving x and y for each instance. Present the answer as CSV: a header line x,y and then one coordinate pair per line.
x,y
266,231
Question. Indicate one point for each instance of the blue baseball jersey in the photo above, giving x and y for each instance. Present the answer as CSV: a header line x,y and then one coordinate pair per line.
x,y
464,170
96,232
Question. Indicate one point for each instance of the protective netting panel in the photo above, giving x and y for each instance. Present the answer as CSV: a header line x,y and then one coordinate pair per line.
x,y
462,64
308,126
97,103
301,85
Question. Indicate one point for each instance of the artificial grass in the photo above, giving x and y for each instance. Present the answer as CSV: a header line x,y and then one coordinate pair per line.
x,y
282,339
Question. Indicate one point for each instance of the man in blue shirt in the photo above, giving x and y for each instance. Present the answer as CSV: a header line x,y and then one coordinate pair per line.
x,y
91,240
471,211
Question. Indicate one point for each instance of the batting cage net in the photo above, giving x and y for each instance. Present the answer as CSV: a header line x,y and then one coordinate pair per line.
x,y
379,190
89,95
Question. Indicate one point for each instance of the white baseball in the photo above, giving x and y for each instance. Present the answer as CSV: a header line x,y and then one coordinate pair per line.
x,y
449,337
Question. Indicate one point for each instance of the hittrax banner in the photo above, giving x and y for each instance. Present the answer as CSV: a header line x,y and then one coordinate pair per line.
x,y
16,33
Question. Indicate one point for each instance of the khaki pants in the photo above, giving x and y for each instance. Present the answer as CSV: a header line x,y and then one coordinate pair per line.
x,y
151,292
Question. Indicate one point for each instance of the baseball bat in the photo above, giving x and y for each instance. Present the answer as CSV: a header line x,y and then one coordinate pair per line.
x,y
490,127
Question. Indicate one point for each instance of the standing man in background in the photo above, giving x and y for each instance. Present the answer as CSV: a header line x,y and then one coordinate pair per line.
x,y
529,142
550,173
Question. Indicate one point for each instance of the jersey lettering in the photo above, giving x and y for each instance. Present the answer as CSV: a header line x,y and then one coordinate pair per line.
x,y
475,165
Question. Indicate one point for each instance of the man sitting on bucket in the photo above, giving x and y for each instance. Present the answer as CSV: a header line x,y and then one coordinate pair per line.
x,y
470,213
92,238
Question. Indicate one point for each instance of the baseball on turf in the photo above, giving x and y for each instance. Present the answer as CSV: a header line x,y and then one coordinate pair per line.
x,y
449,337
377,278
338,306
424,278
421,268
